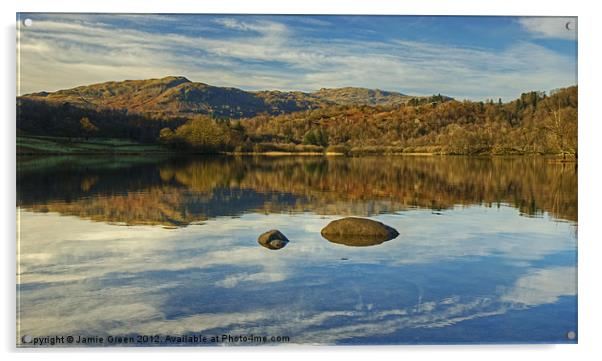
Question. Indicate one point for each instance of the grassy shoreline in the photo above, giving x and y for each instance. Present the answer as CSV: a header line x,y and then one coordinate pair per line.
x,y
46,145
41,145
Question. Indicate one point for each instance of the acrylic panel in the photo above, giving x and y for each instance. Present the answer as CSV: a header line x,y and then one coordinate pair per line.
x,y
210,180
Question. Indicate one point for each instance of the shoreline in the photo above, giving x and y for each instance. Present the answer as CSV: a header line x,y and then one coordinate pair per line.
x,y
568,158
28,145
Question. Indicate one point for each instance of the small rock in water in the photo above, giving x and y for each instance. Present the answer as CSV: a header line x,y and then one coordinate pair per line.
x,y
273,239
358,232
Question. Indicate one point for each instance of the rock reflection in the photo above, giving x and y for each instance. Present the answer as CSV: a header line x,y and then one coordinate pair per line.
x,y
356,240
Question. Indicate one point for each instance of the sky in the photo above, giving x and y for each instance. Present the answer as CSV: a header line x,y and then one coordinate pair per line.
x,y
475,58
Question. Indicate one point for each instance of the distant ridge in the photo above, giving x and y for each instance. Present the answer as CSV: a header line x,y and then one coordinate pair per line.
x,y
178,96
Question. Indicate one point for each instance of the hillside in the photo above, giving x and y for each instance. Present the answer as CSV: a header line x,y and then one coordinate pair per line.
x,y
194,117
176,96
360,96
535,123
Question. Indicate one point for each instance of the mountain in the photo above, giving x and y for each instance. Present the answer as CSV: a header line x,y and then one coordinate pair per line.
x,y
178,96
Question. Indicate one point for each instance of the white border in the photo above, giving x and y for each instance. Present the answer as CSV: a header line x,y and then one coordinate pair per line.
x,y
590,135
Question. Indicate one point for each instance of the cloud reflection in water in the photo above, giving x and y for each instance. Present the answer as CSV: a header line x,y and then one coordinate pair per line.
x,y
476,264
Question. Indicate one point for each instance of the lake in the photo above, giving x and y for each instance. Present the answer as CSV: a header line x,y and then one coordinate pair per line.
x,y
133,248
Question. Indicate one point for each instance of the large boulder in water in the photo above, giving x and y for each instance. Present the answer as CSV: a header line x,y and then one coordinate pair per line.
x,y
273,239
358,232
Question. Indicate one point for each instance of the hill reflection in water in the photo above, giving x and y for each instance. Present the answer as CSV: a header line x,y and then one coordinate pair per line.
x,y
181,191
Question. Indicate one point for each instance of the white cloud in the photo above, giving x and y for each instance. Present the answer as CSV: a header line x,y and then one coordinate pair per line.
x,y
261,277
269,28
551,27
544,286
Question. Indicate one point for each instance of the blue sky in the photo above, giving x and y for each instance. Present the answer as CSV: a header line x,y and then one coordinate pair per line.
x,y
463,57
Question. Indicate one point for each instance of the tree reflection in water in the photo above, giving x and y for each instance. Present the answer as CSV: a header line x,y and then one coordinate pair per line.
x,y
181,191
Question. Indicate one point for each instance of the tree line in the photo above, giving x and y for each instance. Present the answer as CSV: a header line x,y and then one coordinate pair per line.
x,y
535,123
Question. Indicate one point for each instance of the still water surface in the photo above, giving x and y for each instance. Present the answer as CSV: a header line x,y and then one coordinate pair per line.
x,y
141,246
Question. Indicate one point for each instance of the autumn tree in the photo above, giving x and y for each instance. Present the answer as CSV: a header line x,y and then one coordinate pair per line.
x,y
201,133
88,127
316,137
167,136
